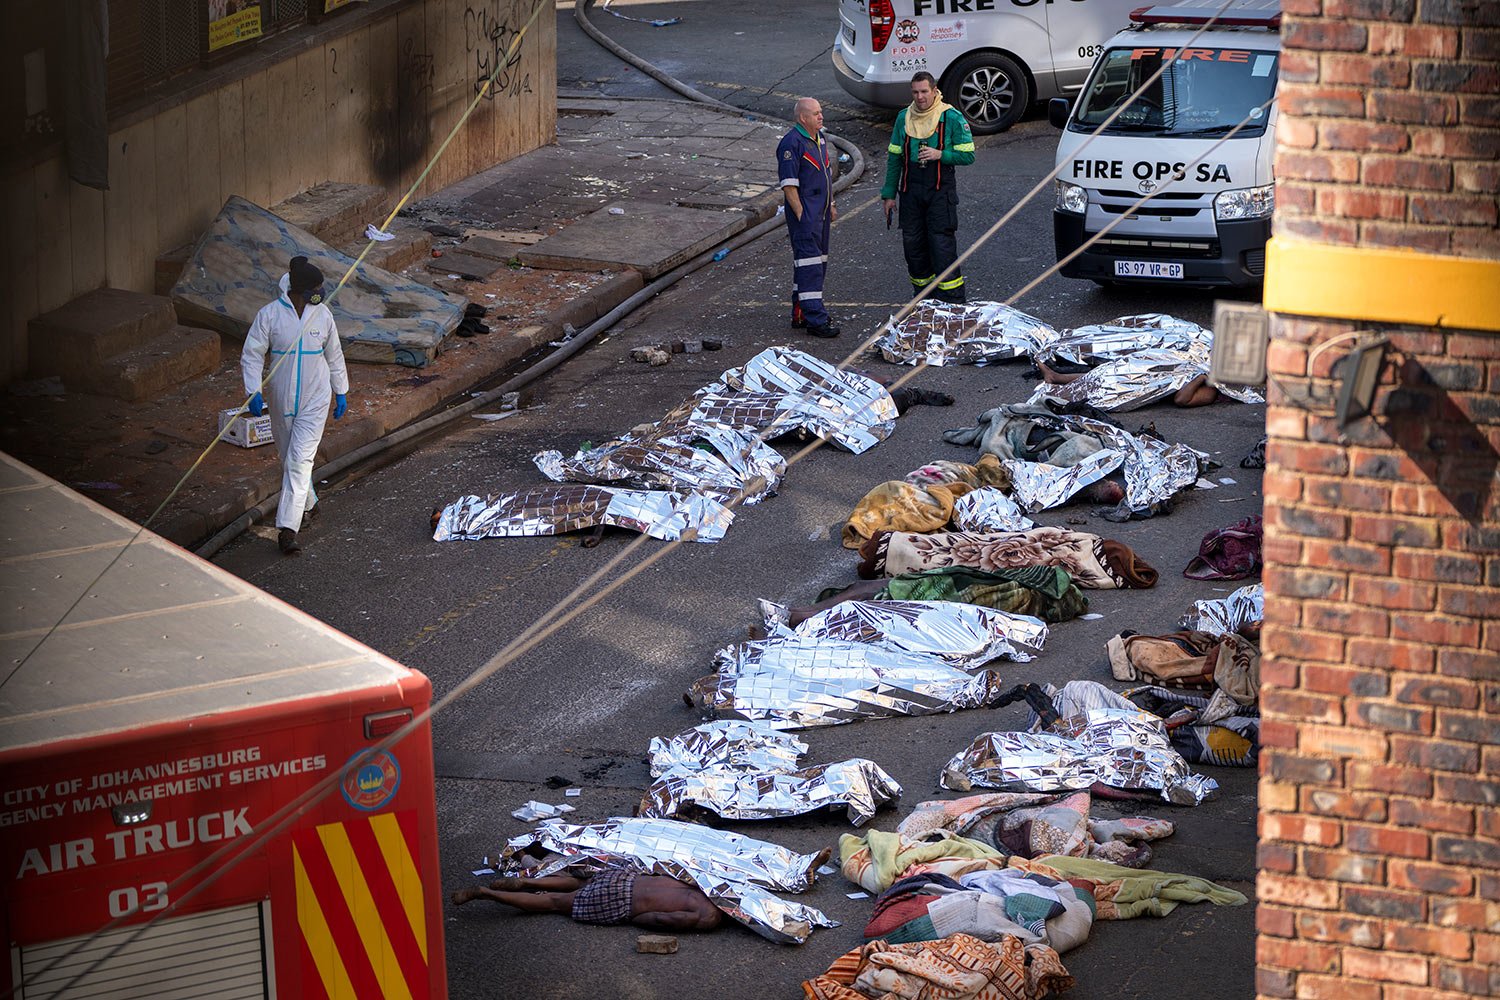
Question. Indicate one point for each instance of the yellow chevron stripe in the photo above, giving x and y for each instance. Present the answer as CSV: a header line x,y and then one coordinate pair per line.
x,y
362,908
403,869
319,938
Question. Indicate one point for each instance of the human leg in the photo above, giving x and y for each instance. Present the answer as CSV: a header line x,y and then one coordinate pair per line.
x,y
808,262
527,902
913,212
304,432
942,239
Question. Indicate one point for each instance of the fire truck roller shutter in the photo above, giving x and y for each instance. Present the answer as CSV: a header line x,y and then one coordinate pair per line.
x,y
216,953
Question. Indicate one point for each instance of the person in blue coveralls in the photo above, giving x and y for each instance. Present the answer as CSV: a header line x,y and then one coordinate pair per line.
x,y
802,162
299,334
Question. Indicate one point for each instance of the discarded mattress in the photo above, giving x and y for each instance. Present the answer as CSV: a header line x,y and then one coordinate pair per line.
x,y
554,510
237,264
740,875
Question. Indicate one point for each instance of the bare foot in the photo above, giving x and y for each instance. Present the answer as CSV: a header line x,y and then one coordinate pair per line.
x,y
463,896
821,858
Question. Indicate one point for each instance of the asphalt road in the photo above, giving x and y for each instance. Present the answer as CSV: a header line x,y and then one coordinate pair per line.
x,y
585,705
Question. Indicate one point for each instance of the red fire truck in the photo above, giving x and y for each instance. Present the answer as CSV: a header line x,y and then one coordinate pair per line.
x,y
150,743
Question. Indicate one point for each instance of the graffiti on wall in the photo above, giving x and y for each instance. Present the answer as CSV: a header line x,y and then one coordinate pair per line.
x,y
490,29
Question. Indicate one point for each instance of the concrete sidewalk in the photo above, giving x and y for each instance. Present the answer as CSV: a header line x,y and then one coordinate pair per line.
x,y
640,156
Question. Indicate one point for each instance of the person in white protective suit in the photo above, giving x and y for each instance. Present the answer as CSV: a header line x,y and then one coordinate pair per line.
x,y
307,366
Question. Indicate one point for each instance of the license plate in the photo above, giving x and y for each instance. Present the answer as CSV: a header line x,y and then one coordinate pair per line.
x,y
849,36
1147,269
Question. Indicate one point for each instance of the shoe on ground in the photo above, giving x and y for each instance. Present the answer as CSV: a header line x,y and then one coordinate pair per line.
x,y
311,514
826,331
287,540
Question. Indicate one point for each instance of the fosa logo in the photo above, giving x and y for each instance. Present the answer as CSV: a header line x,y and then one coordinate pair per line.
x,y
907,31
370,781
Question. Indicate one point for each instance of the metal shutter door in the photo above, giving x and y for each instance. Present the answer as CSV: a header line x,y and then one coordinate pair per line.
x,y
215,955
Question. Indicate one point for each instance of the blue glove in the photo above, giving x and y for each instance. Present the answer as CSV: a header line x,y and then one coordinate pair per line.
x,y
257,405
340,406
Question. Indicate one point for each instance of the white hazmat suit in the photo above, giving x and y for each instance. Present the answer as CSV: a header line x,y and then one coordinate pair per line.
x,y
311,371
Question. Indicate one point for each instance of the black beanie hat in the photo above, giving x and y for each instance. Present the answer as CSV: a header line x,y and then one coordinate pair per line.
x,y
303,276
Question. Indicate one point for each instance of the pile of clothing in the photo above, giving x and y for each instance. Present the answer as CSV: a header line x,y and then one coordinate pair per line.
x,y
959,967
1053,453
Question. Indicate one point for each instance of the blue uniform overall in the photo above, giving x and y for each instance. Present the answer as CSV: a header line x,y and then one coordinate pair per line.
x,y
802,162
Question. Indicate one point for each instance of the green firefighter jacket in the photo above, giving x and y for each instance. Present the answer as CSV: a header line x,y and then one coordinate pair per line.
x,y
956,142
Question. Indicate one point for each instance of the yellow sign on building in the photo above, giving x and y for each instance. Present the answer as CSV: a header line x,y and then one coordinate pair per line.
x,y
239,26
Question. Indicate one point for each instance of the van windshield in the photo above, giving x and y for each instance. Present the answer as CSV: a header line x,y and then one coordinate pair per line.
x,y
1205,92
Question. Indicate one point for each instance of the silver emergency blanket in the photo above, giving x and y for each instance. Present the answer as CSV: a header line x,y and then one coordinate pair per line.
x,y
665,456
781,390
1137,360
789,681
989,509
966,636
1123,337
1101,738
553,510
1246,606
858,784
977,333
732,743
736,872
744,770
1154,469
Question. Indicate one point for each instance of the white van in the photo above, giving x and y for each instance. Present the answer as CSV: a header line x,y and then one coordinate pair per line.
x,y
1206,224
992,58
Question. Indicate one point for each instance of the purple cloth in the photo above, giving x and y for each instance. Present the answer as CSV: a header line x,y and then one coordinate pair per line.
x,y
1231,553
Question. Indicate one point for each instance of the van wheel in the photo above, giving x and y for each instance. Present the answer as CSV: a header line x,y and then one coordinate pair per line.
x,y
990,90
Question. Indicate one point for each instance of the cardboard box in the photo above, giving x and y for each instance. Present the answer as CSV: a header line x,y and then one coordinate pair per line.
x,y
244,430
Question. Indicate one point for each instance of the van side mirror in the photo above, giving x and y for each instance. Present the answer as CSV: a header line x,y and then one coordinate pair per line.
x,y
1057,111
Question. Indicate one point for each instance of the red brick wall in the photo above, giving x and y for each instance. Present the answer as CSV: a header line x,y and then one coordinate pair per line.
x,y
1390,126
1380,774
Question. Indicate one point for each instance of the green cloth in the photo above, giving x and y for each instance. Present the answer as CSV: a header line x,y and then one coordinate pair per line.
x,y
877,859
1045,592
1123,893
804,131
958,147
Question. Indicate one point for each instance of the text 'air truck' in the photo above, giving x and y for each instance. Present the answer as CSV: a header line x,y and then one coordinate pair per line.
x,y
196,798
1198,139
991,58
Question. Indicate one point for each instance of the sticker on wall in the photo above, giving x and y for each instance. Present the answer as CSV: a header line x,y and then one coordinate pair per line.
x,y
947,31
231,21
907,31
370,782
